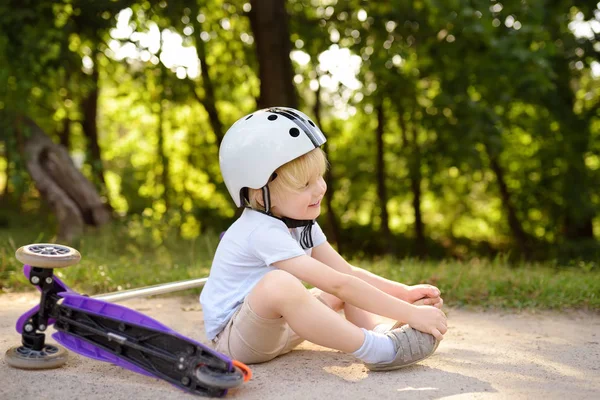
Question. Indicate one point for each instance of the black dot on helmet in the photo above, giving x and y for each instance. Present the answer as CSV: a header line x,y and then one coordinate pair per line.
x,y
249,116
310,122
294,132
272,117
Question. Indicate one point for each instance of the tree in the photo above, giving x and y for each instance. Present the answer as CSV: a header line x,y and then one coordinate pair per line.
x,y
270,21
72,198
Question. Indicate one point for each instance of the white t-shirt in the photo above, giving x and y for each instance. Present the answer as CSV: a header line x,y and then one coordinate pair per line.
x,y
244,255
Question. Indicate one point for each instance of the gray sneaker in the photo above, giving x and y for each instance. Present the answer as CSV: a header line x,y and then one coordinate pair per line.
x,y
411,347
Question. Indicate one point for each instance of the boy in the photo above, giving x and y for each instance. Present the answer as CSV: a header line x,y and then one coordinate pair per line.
x,y
255,305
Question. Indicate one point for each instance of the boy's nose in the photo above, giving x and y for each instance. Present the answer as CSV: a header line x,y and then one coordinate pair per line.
x,y
322,185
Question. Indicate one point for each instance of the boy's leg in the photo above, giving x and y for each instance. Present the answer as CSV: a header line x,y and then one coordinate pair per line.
x,y
367,320
280,297
358,316
280,294
252,339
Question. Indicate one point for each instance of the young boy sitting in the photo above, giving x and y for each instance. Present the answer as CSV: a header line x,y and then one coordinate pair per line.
x,y
255,304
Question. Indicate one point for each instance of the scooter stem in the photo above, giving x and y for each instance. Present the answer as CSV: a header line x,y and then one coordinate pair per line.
x,y
115,297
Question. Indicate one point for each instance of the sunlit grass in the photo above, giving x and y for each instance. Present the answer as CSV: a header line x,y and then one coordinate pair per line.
x,y
131,255
114,260
498,284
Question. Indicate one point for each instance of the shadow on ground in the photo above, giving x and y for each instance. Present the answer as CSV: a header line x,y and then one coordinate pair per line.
x,y
328,374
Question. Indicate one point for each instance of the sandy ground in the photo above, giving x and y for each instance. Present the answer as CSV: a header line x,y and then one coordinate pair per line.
x,y
493,355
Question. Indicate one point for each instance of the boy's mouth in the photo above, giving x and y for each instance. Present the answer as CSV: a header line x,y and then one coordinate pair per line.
x,y
318,203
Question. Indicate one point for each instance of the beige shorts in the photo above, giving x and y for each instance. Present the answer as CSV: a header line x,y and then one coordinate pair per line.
x,y
252,339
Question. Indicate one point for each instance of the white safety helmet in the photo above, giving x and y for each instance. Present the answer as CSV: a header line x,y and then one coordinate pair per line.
x,y
259,143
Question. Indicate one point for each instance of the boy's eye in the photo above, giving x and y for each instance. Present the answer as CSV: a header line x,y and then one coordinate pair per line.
x,y
302,187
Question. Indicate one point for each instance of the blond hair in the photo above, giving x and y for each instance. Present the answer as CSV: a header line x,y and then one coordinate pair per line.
x,y
292,176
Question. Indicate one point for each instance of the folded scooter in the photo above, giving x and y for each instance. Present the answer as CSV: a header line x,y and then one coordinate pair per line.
x,y
96,328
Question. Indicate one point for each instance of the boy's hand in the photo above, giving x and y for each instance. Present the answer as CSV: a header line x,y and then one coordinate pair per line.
x,y
424,295
430,320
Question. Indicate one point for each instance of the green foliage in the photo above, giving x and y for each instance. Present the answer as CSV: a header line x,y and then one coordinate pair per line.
x,y
491,114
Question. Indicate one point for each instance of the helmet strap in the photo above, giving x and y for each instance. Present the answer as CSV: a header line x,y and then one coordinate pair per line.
x,y
267,199
289,222
296,223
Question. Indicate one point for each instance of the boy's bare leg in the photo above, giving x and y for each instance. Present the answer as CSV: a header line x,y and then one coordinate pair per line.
x,y
280,294
365,319
358,316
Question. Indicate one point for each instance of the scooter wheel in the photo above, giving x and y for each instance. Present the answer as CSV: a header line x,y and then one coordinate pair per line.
x,y
51,356
218,379
44,255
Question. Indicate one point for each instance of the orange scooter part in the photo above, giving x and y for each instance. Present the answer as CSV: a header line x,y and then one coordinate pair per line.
x,y
244,368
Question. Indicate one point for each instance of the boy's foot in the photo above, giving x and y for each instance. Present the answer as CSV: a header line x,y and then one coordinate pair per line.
x,y
385,328
411,347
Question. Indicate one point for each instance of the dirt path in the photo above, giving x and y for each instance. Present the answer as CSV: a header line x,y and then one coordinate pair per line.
x,y
485,355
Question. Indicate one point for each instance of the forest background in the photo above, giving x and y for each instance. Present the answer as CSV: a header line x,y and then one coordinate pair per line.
x,y
457,130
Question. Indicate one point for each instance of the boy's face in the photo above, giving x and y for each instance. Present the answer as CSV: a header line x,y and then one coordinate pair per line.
x,y
304,204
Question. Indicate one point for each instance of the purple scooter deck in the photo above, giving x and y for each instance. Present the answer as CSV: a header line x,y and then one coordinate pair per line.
x,y
114,311
26,316
109,310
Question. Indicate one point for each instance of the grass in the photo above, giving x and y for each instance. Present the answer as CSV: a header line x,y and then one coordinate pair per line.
x,y
498,284
134,254
114,258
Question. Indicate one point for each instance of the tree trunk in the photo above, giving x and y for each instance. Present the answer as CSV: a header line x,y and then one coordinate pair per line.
x,y
270,24
163,163
519,235
72,198
90,129
209,102
409,139
65,133
329,180
381,178
579,210
415,184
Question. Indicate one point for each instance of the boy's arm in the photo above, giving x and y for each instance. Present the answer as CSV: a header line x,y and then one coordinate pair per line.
x,y
359,293
329,256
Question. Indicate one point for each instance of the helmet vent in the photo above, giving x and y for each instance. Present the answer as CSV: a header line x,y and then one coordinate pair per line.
x,y
272,117
294,132
249,116
312,123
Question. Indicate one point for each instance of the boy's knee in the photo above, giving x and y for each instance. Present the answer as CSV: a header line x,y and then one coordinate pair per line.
x,y
281,285
335,303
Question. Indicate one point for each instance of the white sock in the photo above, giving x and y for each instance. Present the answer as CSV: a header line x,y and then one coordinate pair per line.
x,y
376,348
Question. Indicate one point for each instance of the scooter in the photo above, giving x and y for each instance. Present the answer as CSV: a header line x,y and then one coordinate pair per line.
x,y
97,328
